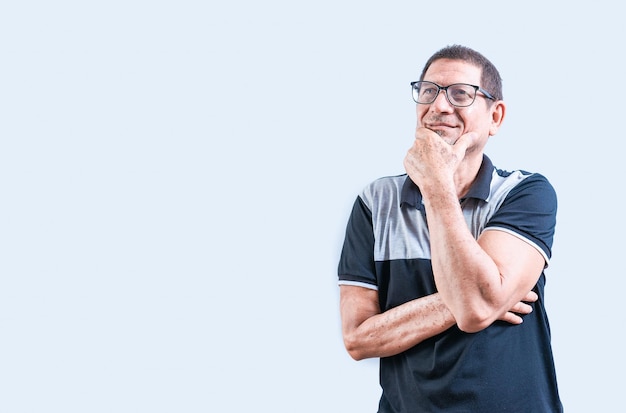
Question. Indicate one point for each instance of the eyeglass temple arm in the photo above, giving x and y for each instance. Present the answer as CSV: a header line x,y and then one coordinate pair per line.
x,y
487,94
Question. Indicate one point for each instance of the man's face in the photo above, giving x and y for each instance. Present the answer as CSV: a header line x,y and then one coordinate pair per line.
x,y
449,121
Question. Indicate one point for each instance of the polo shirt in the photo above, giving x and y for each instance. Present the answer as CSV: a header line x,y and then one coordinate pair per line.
x,y
503,368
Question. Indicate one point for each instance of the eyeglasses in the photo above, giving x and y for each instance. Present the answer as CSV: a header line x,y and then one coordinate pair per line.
x,y
458,94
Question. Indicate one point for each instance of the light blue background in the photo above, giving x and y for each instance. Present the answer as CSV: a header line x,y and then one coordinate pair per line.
x,y
176,176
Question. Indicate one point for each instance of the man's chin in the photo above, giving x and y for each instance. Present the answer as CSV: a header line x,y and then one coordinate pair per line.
x,y
446,137
451,140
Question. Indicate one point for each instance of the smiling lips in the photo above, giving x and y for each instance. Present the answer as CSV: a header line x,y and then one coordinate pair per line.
x,y
440,128
438,125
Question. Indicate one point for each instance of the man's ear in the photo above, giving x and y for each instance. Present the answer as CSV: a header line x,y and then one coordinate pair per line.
x,y
497,116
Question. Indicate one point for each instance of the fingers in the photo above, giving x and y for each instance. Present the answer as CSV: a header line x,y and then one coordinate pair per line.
x,y
511,318
465,141
422,132
514,315
531,297
521,308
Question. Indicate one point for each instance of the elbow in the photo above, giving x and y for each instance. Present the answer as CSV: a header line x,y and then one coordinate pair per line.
x,y
474,321
469,326
353,348
356,355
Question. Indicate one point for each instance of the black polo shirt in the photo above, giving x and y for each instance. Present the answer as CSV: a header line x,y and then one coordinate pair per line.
x,y
503,368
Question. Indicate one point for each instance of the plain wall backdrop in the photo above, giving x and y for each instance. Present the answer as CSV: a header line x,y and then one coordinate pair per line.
x,y
176,177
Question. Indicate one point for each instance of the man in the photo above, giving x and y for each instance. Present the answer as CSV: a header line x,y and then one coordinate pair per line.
x,y
441,272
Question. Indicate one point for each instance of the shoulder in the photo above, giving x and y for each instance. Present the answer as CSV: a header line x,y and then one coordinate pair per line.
x,y
521,183
384,188
535,187
527,206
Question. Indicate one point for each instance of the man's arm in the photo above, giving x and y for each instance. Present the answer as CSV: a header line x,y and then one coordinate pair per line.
x,y
369,333
480,279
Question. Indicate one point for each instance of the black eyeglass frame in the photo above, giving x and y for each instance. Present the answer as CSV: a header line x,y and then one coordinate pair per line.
x,y
445,89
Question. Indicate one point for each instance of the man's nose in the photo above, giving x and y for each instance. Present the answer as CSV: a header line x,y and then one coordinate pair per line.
x,y
441,103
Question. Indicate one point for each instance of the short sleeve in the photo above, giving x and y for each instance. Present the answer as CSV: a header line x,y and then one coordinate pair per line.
x,y
356,263
529,210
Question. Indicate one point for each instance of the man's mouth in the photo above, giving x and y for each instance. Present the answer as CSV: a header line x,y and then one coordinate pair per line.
x,y
439,126
446,131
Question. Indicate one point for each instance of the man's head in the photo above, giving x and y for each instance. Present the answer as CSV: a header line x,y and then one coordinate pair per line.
x,y
463,94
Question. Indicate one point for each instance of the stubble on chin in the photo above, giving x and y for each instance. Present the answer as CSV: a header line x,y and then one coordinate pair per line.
x,y
450,140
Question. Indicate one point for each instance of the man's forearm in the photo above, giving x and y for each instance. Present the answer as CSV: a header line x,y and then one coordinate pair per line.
x,y
465,275
399,328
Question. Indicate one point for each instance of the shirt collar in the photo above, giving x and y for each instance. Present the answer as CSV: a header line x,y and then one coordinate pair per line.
x,y
480,188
